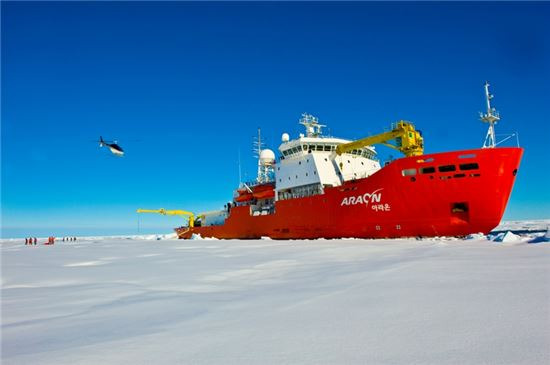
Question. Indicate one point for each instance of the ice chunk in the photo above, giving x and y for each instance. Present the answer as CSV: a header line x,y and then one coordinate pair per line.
x,y
476,236
544,238
506,237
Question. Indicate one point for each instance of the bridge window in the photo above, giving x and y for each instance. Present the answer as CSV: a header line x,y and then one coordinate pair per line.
x,y
469,166
447,168
319,147
327,147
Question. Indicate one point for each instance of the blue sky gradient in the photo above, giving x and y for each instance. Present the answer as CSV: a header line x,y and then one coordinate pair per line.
x,y
184,86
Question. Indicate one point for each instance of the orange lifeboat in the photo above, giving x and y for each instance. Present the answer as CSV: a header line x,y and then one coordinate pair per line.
x,y
264,191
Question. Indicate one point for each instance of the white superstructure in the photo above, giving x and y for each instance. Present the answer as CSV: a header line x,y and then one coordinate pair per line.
x,y
309,163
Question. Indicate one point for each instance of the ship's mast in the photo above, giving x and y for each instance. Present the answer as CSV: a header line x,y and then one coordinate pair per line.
x,y
313,128
257,152
266,160
491,117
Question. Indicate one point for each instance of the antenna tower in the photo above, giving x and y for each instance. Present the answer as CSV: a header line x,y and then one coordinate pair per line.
x,y
313,128
258,146
491,117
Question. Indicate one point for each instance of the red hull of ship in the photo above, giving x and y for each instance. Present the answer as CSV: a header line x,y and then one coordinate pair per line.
x,y
388,204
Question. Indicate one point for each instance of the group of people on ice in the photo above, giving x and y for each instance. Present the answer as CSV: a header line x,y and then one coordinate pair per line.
x,y
51,240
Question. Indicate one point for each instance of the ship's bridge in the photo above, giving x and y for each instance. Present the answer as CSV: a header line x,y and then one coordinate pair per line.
x,y
309,163
320,144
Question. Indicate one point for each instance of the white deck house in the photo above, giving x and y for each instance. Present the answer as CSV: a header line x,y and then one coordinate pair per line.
x,y
309,164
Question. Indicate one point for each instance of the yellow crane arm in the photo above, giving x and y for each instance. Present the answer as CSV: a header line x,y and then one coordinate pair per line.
x,y
407,140
171,212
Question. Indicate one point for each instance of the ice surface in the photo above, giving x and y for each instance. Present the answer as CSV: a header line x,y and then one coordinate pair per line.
x,y
540,224
140,300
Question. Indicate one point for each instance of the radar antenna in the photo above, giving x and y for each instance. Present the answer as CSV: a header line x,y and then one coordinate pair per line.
x,y
491,117
313,128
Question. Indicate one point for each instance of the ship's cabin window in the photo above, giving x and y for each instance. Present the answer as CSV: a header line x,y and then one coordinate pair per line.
x,y
285,152
447,168
294,150
408,172
327,147
469,166
427,170
319,147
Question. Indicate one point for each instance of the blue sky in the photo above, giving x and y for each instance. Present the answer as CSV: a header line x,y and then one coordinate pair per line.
x,y
184,86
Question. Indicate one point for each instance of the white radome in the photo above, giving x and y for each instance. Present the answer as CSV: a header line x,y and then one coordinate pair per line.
x,y
267,157
285,137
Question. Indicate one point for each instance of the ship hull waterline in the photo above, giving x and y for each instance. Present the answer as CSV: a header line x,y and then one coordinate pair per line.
x,y
393,202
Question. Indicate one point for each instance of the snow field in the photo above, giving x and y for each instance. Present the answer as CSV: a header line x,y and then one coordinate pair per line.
x,y
147,301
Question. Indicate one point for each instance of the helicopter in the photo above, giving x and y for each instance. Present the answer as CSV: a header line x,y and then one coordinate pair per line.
x,y
113,146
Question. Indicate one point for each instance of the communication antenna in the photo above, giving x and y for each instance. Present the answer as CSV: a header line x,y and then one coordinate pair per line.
x,y
258,145
491,117
257,153
240,172
313,128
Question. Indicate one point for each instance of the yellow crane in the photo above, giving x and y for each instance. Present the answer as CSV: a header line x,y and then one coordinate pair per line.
x,y
407,140
171,212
